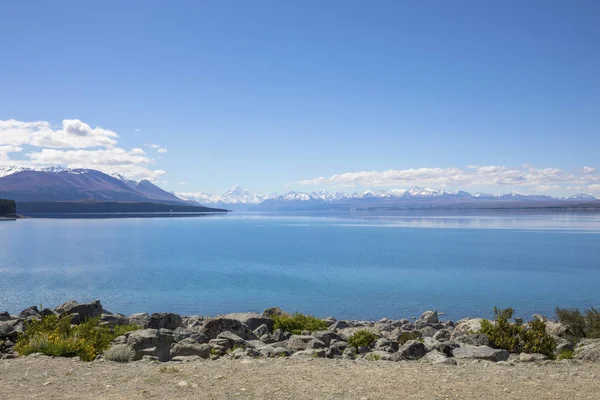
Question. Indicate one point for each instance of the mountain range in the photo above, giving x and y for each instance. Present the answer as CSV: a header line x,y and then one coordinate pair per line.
x,y
237,198
57,184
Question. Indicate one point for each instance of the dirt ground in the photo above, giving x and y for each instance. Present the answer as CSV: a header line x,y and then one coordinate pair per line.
x,y
59,378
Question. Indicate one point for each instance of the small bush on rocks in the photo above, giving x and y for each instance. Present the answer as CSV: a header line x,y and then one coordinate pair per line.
x,y
516,337
372,357
565,355
579,326
56,337
406,336
120,330
298,323
362,338
119,353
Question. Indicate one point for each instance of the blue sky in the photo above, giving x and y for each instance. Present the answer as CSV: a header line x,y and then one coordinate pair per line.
x,y
307,95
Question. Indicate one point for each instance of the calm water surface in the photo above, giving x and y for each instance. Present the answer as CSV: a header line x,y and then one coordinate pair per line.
x,y
350,266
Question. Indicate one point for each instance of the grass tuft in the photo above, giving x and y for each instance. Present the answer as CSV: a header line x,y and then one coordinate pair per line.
x,y
297,323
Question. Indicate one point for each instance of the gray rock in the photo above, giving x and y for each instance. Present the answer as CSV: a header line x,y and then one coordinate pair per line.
x,y
333,352
328,336
564,345
190,333
152,342
329,321
588,350
316,344
436,357
413,350
480,353
349,353
214,326
430,317
383,356
443,335
386,345
234,340
252,320
224,343
30,312
525,357
5,316
187,348
267,338
280,352
428,331
478,339
298,342
466,326
80,312
313,353
278,335
113,319
261,330
7,331
275,311
139,319
169,321
339,325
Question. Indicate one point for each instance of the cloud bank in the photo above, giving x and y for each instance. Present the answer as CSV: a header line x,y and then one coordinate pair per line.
x,y
490,176
74,144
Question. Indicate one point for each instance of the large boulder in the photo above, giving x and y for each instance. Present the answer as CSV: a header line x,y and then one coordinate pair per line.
x,y
480,353
429,317
588,350
298,342
188,347
81,312
113,319
474,339
151,342
328,336
7,331
190,333
412,350
214,326
436,357
252,320
163,321
30,312
234,340
139,319
466,326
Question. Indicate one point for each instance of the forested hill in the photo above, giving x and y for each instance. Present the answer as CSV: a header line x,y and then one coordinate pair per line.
x,y
8,208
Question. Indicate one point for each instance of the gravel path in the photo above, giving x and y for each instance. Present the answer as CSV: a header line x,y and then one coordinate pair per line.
x,y
47,378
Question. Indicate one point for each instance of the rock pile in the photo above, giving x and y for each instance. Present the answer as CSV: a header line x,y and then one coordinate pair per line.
x,y
168,336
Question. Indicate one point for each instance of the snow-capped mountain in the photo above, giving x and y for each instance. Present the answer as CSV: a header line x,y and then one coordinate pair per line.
x,y
64,184
238,198
13,169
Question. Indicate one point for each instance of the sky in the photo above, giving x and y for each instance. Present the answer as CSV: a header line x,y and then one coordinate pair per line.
x,y
343,95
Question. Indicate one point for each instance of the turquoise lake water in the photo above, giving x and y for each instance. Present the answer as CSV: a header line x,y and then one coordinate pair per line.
x,y
347,265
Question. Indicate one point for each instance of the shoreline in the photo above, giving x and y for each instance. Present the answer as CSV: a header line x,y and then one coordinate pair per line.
x,y
275,333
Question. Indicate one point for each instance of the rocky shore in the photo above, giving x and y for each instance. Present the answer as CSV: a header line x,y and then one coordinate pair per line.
x,y
165,337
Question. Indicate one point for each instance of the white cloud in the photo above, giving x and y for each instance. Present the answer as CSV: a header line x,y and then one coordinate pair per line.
x,y
543,179
588,170
73,134
74,144
595,187
182,183
158,147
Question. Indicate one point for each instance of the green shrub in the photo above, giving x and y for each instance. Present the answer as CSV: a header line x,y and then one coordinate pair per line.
x,y
517,337
298,323
372,357
56,337
565,355
120,330
406,336
580,325
119,353
362,338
